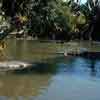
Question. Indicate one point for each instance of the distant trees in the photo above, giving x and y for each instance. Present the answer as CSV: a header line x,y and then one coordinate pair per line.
x,y
4,23
46,18
51,18
91,12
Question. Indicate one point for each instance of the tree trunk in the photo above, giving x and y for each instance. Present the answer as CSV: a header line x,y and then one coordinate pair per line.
x,y
13,12
90,33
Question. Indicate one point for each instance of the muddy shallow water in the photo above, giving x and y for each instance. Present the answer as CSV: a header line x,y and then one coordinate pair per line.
x,y
75,78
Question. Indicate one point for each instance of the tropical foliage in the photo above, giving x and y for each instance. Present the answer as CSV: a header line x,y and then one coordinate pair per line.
x,y
45,18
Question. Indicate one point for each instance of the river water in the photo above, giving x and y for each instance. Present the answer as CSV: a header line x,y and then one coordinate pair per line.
x,y
73,78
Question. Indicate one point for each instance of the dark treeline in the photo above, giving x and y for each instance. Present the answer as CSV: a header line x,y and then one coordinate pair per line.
x,y
54,19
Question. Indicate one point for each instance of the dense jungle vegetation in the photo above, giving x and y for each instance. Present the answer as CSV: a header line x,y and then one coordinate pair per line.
x,y
52,19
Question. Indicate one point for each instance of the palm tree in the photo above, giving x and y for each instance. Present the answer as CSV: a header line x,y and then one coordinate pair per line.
x,y
91,11
93,18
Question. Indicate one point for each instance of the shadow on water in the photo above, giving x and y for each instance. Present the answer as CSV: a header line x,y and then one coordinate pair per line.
x,y
49,66
80,66
38,68
49,77
93,67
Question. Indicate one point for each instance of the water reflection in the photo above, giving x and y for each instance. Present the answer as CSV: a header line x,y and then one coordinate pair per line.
x,y
69,84
28,50
64,85
70,87
93,68
81,67
25,85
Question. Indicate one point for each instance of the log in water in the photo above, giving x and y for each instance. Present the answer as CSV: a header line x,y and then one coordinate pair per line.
x,y
14,65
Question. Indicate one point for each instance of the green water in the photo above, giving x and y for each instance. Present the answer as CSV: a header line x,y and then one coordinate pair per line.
x,y
74,78
30,50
